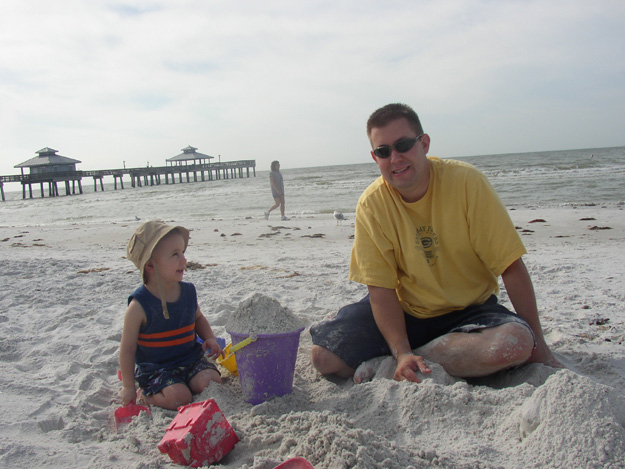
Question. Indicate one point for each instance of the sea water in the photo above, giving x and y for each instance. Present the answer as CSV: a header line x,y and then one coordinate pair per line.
x,y
555,178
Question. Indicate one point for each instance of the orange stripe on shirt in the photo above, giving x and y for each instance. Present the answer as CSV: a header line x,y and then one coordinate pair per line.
x,y
167,343
160,335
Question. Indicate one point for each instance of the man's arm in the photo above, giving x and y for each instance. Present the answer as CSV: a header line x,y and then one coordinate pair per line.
x,y
520,290
389,318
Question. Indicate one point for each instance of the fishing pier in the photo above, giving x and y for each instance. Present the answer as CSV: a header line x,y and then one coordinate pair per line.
x,y
56,169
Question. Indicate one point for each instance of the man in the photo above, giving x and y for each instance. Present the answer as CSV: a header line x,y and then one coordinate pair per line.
x,y
432,238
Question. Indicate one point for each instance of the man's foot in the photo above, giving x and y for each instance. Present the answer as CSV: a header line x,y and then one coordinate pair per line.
x,y
266,215
284,218
367,370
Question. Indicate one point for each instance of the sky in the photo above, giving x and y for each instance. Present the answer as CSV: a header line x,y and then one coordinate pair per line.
x,y
114,83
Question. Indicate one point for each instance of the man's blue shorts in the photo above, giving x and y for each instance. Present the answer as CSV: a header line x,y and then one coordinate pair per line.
x,y
354,337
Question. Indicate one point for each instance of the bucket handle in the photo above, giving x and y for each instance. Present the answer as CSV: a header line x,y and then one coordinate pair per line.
x,y
243,343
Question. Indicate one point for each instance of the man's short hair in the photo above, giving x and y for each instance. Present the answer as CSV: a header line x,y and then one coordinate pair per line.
x,y
391,112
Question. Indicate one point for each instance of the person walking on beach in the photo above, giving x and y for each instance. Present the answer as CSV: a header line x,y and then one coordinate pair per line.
x,y
432,237
162,323
277,190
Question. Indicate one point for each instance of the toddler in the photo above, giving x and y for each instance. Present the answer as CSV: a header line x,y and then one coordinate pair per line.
x,y
162,323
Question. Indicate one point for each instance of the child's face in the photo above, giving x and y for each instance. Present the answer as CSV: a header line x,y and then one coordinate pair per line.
x,y
168,257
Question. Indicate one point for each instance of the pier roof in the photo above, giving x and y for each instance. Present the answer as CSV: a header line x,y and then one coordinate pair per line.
x,y
190,154
46,156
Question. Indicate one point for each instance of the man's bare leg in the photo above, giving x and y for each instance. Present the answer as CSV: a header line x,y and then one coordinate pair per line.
x,y
480,353
462,354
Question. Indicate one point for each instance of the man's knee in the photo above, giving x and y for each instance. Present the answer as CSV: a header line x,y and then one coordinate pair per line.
x,y
328,363
512,344
322,358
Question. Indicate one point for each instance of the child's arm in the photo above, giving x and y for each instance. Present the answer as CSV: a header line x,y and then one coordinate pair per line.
x,y
205,331
135,317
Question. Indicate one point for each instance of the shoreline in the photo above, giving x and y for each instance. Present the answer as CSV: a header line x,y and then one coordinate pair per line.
x,y
606,221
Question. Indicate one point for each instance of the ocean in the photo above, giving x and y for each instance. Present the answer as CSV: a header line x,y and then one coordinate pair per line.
x,y
554,178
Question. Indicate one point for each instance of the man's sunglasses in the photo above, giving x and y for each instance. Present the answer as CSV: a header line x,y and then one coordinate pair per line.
x,y
400,146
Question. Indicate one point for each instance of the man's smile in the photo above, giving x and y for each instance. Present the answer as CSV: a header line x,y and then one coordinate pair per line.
x,y
401,170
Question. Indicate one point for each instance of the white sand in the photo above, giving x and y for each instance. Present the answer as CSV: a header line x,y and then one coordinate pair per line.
x,y
61,308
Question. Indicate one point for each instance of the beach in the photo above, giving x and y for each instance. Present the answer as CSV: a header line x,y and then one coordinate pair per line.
x,y
118,113
65,288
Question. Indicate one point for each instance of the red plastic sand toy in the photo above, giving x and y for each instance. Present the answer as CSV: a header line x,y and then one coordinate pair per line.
x,y
125,414
295,463
199,435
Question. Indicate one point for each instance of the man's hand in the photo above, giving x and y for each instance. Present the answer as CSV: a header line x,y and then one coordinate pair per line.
x,y
521,293
407,367
543,354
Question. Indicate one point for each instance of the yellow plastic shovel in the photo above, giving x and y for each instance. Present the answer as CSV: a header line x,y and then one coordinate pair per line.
x,y
229,361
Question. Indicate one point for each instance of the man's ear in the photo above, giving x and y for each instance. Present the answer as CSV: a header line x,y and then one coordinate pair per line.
x,y
425,141
373,156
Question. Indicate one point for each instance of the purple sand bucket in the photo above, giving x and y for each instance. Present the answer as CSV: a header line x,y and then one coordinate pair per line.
x,y
267,365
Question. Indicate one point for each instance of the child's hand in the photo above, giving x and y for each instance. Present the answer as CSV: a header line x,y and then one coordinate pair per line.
x,y
215,349
128,395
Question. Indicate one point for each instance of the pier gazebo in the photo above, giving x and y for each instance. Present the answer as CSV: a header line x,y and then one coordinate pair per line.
x,y
190,154
48,167
190,161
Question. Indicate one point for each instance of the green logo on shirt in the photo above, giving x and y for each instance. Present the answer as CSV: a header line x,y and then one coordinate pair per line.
x,y
427,240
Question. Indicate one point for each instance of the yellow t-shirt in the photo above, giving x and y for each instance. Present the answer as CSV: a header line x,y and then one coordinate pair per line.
x,y
441,253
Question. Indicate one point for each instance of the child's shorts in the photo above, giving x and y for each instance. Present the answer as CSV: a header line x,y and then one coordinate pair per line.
x,y
154,381
354,336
